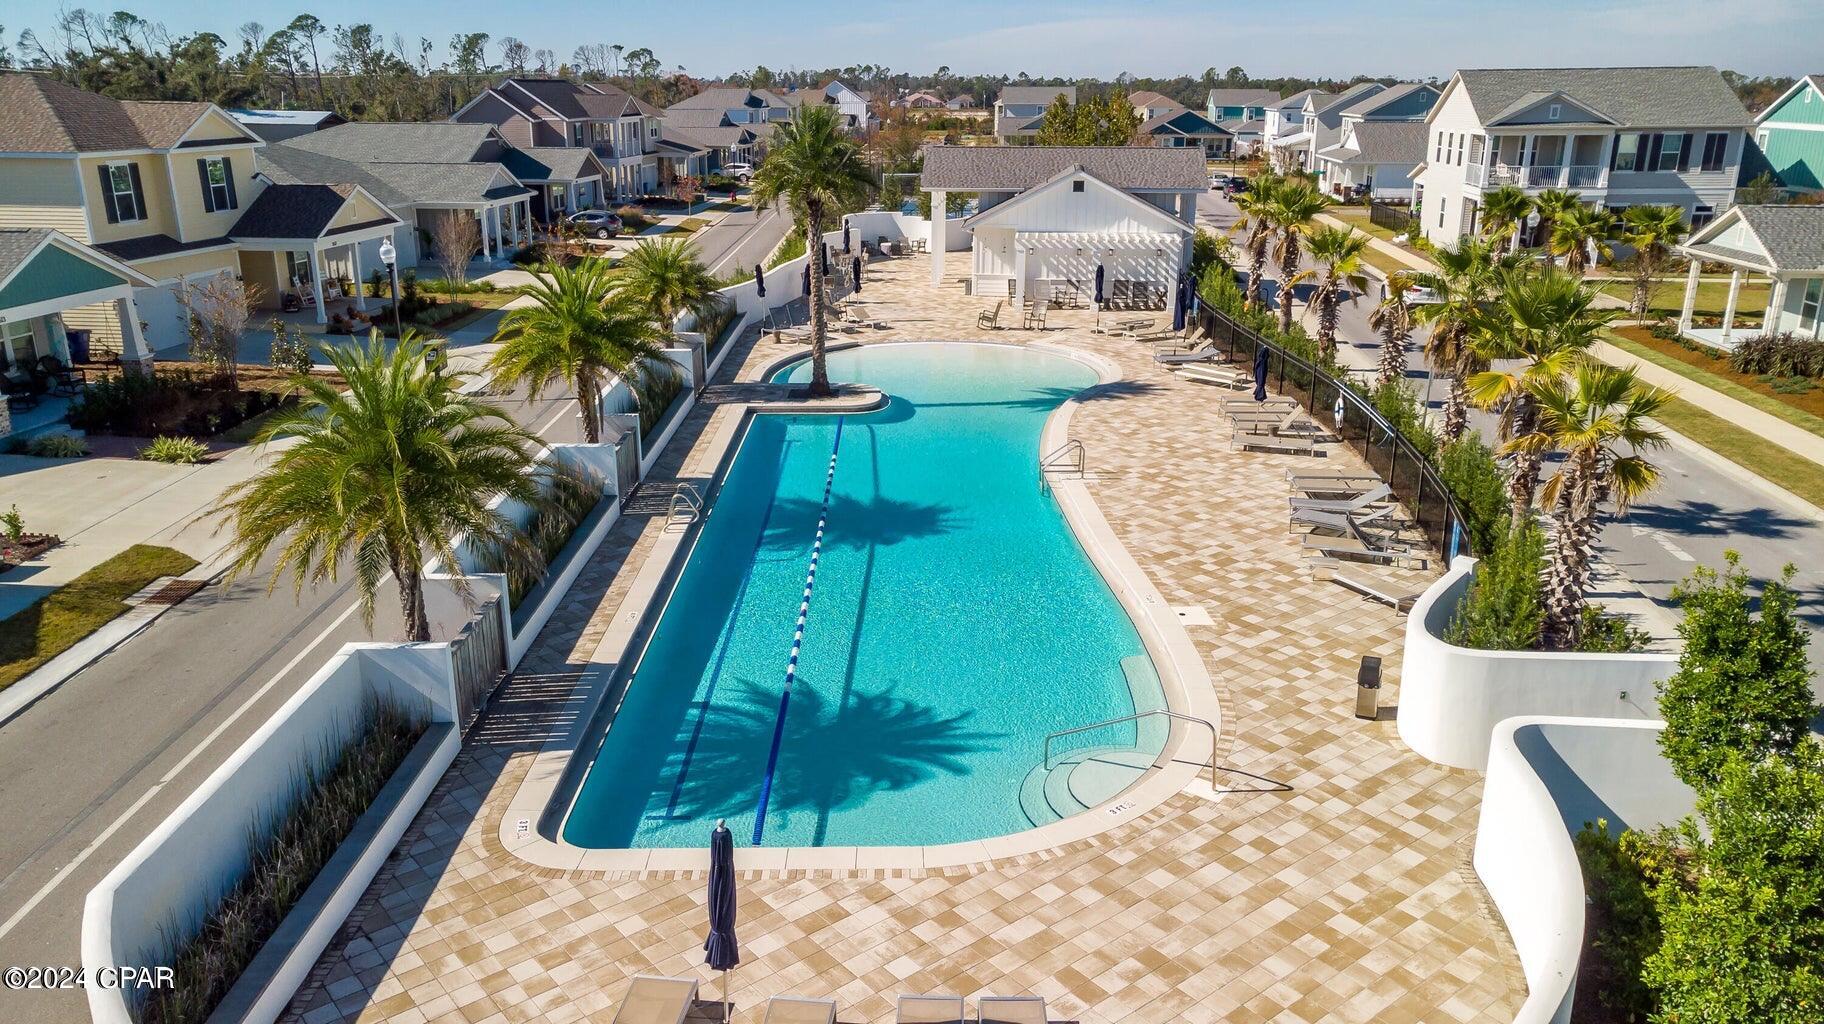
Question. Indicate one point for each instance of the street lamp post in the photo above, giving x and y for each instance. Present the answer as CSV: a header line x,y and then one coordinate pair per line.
x,y
389,256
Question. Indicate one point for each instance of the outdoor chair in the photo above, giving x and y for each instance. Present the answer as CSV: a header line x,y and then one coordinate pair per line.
x,y
1206,354
655,1000
930,1010
1377,591
1266,421
1132,327
1345,505
1010,1010
1291,444
64,380
800,1010
1231,379
1342,523
19,392
990,320
1330,480
1356,547
1035,317
1277,402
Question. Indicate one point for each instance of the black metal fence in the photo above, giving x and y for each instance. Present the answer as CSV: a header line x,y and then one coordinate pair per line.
x,y
1414,480
1397,219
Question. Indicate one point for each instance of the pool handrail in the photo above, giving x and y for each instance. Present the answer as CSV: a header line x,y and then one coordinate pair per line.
x,y
1056,458
1173,715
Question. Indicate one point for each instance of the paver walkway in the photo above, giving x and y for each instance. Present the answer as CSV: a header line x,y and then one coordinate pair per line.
x,y
1329,881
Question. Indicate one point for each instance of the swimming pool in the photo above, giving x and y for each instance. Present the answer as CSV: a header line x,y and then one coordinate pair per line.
x,y
954,622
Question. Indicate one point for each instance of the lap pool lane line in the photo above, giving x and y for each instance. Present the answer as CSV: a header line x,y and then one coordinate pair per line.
x,y
791,664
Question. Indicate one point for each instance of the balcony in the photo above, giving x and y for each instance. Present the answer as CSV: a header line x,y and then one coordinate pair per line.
x,y
1587,176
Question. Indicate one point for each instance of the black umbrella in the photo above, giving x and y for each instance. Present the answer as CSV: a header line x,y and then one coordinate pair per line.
x,y
1260,373
1178,306
858,273
1098,286
807,277
723,952
760,280
845,238
824,255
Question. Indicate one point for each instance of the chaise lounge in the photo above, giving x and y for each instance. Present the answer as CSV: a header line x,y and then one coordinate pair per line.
x,y
652,999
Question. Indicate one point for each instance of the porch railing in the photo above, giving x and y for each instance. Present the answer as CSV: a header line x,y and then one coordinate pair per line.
x,y
1586,176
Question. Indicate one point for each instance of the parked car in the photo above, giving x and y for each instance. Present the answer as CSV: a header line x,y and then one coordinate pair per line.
x,y
1220,181
740,172
596,223
1421,296
1237,185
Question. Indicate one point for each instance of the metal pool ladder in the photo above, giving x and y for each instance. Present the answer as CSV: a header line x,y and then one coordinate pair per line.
x,y
1173,715
686,507
1070,455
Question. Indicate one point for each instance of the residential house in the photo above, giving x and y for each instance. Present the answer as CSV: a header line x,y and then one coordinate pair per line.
x,y
1048,216
710,148
852,105
563,179
920,101
622,130
1320,126
732,123
962,102
1019,109
1189,129
1148,104
1380,142
1785,243
1618,137
423,174
45,277
1249,135
1286,117
279,125
1789,137
1239,104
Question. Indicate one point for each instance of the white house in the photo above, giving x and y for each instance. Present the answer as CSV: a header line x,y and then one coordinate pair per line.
x,y
1379,142
1019,109
1286,117
851,104
1618,137
1785,243
1050,215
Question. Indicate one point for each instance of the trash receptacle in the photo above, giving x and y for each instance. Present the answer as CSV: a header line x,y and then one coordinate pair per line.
x,y
1368,688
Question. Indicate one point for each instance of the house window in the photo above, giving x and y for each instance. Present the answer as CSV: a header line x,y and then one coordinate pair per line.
x,y
1716,144
16,344
1809,303
1701,215
121,193
1076,186
1627,152
1554,112
576,134
1672,151
1440,211
1760,138
218,190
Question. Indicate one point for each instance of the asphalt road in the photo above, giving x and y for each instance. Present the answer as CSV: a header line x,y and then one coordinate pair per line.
x,y
741,239
1703,506
90,769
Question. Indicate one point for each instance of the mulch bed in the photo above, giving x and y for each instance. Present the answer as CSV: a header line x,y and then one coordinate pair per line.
x,y
1811,402
27,547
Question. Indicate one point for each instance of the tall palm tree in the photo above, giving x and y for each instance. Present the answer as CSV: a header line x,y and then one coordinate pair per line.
x,y
1293,210
1503,212
387,468
1652,231
667,275
1546,322
1583,230
1552,204
1338,253
1463,283
1253,205
1392,319
813,165
1592,417
580,328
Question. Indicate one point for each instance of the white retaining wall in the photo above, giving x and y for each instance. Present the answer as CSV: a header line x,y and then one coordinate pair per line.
x,y
1452,697
182,869
1547,776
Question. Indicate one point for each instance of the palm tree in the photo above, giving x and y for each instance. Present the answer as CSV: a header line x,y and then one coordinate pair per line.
x,y
1464,283
1292,209
1503,212
1581,231
667,275
387,468
1393,320
1253,205
813,165
1338,252
1652,231
1550,205
1591,417
1547,322
580,328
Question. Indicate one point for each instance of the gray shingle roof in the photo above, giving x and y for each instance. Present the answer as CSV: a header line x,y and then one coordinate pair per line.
x,y
1005,125
1017,168
1793,235
1237,126
15,245
573,100
551,163
42,115
1383,142
1367,105
396,185
1148,98
397,141
1656,97
1328,104
1298,99
1243,97
146,247
1191,122
1043,94
731,97
292,211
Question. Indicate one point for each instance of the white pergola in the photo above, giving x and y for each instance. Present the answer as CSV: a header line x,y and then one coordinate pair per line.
x,y
1153,253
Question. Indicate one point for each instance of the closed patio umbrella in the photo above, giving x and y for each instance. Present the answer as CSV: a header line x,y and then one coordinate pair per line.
x,y
760,280
1178,303
721,949
824,255
845,238
807,277
1260,373
857,269
1098,286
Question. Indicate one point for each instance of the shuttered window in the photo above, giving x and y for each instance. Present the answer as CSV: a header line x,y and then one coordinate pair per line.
x,y
121,194
1716,147
216,177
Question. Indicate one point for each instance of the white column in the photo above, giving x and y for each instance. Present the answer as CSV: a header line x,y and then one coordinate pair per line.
x,y
1776,302
316,283
1684,315
133,350
939,230
1735,290
354,255
1019,276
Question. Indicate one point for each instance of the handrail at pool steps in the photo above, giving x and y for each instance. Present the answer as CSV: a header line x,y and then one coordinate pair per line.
x,y
1415,481
1070,455
1172,715
689,500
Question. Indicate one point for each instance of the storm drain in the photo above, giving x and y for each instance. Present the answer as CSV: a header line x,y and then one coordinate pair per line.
x,y
174,591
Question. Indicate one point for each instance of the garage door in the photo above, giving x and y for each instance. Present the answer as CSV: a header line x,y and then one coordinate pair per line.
x,y
162,315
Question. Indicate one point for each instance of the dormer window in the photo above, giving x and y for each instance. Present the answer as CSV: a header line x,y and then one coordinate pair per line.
x,y
1554,112
1077,185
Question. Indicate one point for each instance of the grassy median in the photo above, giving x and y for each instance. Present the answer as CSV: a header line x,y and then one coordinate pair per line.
x,y
1751,451
57,621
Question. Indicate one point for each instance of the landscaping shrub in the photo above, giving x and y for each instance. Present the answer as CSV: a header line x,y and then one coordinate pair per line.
x,y
12,524
1398,401
1469,470
290,349
57,446
570,495
790,248
1622,927
287,852
1502,610
175,450
442,286
658,387
1779,355
165,402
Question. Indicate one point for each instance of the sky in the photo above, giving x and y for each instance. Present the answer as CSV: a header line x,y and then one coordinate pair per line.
x,y
1075,38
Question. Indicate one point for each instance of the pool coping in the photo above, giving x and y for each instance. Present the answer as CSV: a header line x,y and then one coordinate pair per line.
x,y
530,827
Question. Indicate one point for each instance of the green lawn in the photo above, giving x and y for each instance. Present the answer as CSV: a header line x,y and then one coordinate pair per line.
x,y
55,622
1357,218
1669,296
1697,374
1747,449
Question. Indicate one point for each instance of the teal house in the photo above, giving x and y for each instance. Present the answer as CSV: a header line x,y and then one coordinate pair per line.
x,y
1790,137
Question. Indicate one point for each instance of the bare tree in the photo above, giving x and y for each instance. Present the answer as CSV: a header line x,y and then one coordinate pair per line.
x,y
457,238
215,313
514,54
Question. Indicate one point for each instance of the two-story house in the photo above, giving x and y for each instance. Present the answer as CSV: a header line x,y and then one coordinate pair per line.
x,y
1019,109
1239,104
535,113
853,106
1617,137
1320,126
1380,142
1285,118
730,124
1789,138
1148,104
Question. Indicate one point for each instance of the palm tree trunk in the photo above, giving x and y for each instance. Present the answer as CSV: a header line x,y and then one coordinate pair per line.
x,y
411,600
1393,356
1523,485
589,400
1288,269
1456,408
813,251
1257,265
1326,324
1567,573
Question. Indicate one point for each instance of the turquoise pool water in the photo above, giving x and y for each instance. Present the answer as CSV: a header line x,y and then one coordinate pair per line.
x,y
954,622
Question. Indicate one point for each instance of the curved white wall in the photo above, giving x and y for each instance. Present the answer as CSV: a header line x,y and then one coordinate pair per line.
x,y
1546,778
1451,697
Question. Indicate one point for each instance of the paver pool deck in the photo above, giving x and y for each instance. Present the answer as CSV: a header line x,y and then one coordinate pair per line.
x,y
1328,881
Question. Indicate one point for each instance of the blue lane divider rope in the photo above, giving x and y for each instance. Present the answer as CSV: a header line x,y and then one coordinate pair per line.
x,y
791,664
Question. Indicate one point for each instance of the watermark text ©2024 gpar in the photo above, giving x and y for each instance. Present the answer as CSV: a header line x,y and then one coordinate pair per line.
x,y
14,979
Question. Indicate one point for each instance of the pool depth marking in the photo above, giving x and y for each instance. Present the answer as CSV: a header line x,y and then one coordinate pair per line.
x,y
791,664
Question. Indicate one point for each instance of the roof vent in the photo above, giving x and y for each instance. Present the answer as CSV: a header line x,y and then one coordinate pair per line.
x,y
1077,185
1554,111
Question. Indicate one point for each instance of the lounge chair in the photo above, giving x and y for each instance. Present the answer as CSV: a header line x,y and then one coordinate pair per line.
x,y
1356,547
1377,591
63,380
1267,421
1232,379
1206,354
930,1010
1344,523
800,1010
990,320
1132,328
655,1000
1344,505
1331,479
1295,444
1010,1010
